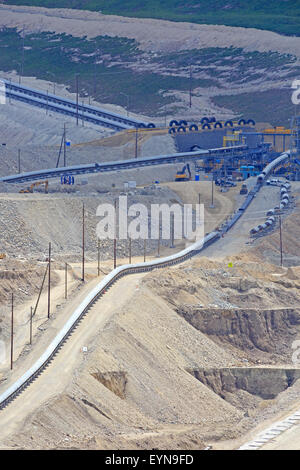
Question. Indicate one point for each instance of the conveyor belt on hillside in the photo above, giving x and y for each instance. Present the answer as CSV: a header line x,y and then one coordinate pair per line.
x,y
11,392
59,104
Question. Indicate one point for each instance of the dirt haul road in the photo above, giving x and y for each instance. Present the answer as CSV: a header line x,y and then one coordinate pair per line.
x,y
59,373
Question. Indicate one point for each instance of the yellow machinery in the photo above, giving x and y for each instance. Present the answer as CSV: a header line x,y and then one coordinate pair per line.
x,y
277,130
34,185
234,138
2,255
182,175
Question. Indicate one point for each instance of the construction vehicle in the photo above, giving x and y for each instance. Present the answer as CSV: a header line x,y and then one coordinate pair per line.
x,y
225,182
34,185
182,175
244,189
2,255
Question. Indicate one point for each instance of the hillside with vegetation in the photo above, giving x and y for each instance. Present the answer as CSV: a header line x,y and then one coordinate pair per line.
x,y
280,16
116,70
148,66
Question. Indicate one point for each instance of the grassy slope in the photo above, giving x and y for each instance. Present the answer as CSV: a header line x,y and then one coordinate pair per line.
x,y
274,106
274,15
101,64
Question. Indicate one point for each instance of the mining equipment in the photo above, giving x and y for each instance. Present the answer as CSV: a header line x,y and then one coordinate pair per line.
x,y
34,185
182,175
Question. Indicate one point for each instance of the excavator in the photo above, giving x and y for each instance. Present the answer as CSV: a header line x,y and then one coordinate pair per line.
x,y
34,185
182,175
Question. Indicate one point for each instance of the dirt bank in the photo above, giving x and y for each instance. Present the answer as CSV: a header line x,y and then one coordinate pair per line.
x,y
154,35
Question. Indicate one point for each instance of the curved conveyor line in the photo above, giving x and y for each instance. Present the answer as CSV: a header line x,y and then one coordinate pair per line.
x,y
82,309
10,393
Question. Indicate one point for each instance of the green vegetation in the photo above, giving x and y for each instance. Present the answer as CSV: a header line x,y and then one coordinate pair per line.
x,y
102,66
273,106
226,56
115,70
274,15
242,65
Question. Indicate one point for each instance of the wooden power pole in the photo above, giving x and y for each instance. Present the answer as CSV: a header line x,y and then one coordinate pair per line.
x,y
49,280
83,243
280,238
12,332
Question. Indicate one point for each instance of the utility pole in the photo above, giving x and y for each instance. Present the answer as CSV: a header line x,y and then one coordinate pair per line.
x,y
98,257
94,79
199,198
62,143
40,292
136,142
212,186
9,99
31,316
19,161
66,280
83,242
23,50
76,99
158,241
280,237
49,280
115,237
65,150
190,86
129,250
12,332
172,230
